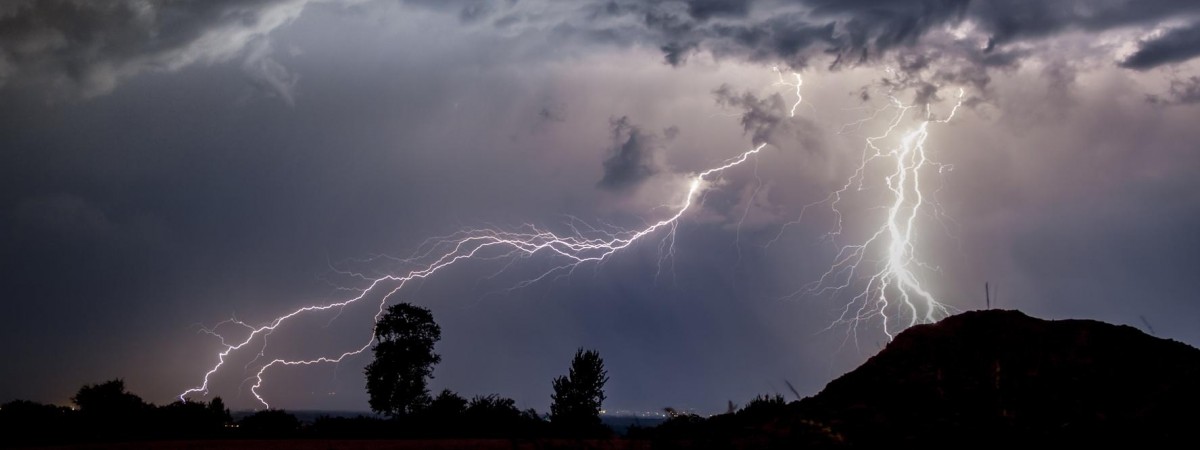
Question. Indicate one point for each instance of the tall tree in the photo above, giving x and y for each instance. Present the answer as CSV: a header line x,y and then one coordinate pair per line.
x,y
218,410
577,397
397,380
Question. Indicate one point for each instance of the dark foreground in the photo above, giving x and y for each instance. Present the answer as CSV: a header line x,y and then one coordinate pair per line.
x,y
982,379
411,444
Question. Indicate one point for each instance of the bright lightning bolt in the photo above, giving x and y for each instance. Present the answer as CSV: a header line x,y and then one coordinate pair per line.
x,y
799,82
891,283
579,247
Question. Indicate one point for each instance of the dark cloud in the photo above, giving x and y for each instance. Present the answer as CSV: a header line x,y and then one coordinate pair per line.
x,y
633,157
1180,92
850,33
785,37
768,120
1004,21
761,118
83,48
1180,44
926,71
1012,20
705,9
871,28
676,53
88,48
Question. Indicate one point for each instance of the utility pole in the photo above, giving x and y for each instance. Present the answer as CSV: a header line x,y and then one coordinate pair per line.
x,y
987,295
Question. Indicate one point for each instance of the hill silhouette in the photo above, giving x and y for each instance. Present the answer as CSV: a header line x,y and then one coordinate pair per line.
x,y
999,377
983,379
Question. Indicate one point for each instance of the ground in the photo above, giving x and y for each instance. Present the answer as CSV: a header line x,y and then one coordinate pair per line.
x,y
414,444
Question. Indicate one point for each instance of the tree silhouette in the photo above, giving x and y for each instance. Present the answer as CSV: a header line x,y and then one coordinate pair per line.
x,y
397,379
25,423
448,405
109,411
189,419
493,416
578,396
217,409
107,398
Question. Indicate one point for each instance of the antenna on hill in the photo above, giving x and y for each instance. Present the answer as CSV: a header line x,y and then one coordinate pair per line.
x,y
987,295
793,389
1149,327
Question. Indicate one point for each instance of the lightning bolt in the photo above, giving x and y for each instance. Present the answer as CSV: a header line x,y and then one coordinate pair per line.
x,y
799,82
581,246
890,286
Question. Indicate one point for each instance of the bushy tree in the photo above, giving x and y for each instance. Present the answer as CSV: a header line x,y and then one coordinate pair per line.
x,y
447,405
484,416
578,396
108,411
191,419
397,380
108,399
491,415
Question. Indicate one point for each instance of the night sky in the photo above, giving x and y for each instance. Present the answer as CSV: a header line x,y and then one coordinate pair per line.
x,y
165,166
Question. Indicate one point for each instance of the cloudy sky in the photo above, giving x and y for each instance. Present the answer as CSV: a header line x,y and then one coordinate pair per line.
x,y
165,166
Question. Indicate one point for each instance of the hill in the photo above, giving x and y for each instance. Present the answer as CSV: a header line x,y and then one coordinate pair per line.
x,y
1000,377
986,379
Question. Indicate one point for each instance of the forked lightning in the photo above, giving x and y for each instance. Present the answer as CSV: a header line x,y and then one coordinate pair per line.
x,y
575,249
891,284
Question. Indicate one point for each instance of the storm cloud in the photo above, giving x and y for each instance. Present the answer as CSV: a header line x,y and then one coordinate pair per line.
x,y
633,158
88,48
83,48
1180,92
1176,45
705,9
761,118
198,161
848,33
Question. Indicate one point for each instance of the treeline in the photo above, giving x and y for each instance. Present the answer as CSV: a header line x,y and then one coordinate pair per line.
x,y
397,386
107,412
448,415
